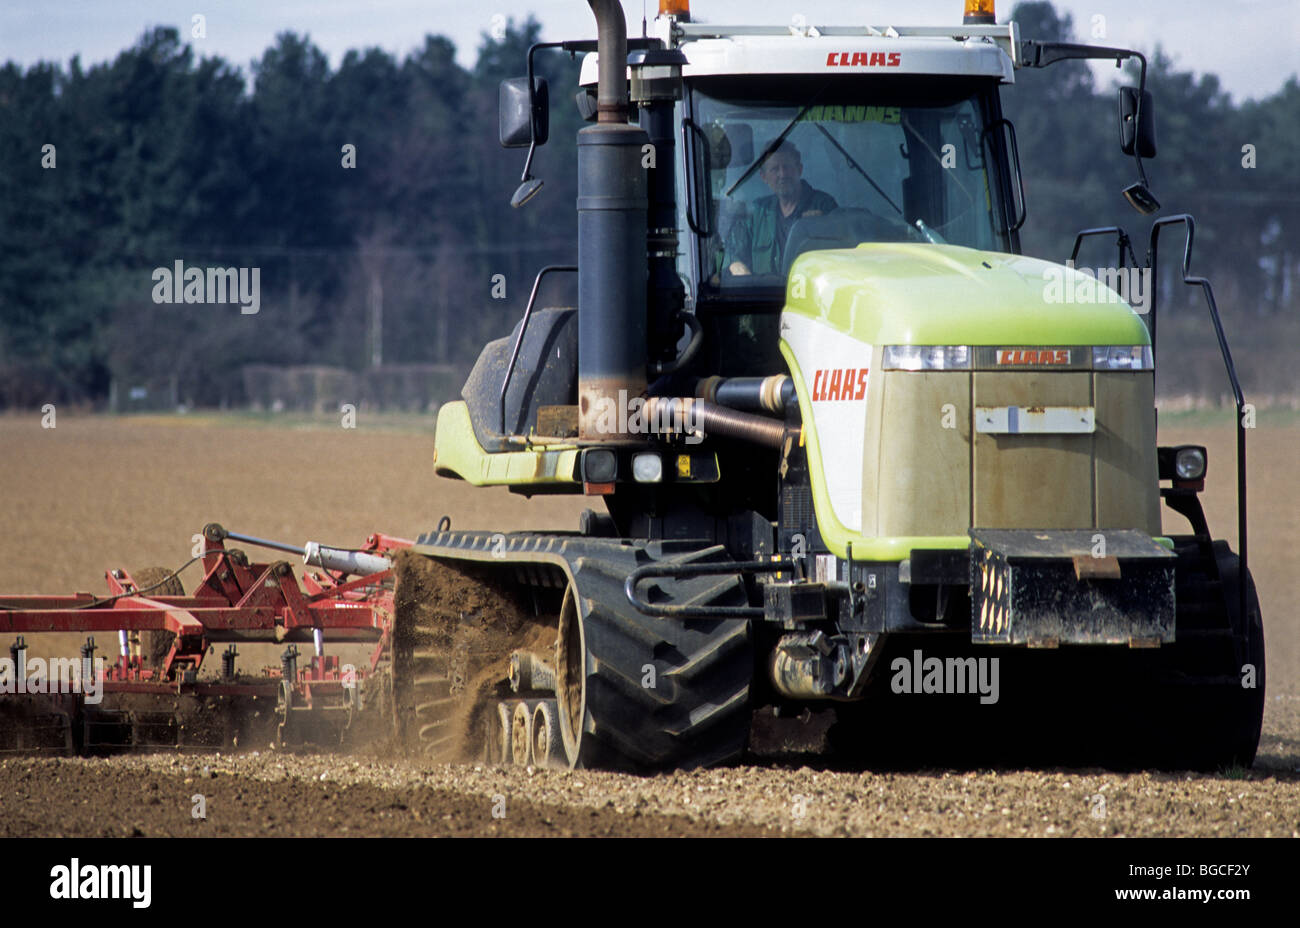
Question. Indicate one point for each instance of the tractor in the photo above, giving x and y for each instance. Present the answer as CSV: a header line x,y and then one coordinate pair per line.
x,y
850,445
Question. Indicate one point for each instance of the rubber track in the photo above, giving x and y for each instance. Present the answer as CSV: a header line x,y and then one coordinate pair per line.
x,y
430,667
660,693
1212,721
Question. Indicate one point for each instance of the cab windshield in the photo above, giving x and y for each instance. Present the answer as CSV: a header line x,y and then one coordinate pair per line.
x,y
833,163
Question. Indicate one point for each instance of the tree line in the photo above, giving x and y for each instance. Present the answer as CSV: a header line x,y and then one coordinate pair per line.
x,y
377,190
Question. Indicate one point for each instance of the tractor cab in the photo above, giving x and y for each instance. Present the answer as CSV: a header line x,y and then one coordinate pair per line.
x,y
790,140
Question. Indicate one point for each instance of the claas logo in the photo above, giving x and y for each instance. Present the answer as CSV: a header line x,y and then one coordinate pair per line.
x,y
1026,356
849,383
863,60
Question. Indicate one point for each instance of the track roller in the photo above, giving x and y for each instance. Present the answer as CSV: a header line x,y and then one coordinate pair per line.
x,y
531,671
521,732
497,746
548,746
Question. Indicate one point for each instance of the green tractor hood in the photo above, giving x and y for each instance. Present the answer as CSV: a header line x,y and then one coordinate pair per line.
x,y
920,294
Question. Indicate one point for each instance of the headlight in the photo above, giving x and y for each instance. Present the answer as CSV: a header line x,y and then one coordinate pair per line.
x,y
647,467
1123,358
926,358
599,465
1189,464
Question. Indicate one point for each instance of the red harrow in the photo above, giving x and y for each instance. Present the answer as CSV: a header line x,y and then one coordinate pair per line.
x,y
164,697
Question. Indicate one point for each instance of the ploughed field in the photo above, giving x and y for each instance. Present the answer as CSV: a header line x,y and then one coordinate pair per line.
x,y
95,493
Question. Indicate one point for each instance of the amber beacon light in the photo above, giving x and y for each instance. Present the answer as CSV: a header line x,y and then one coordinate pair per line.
x,y
978,13
679,8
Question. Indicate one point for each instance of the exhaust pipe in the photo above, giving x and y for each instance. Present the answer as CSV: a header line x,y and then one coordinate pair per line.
x,y
611,34
693,414
612,263
750,394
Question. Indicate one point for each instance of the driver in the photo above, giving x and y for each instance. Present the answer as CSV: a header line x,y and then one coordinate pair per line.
x,y
757,240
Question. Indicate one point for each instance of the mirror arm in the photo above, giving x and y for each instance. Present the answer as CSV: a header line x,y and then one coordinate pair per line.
x,y
532,92
528,162
1042,54
1137,115
528,188
1035,54
571,46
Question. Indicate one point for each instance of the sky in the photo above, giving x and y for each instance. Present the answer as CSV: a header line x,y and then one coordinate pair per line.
x,y
1253,45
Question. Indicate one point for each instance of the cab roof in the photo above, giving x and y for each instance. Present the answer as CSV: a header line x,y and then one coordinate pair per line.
x,y
973,51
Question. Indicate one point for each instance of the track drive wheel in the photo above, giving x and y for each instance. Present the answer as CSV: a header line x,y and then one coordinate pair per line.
x,y
643,693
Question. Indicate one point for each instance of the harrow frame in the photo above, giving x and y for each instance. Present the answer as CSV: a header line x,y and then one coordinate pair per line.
x,y
237,601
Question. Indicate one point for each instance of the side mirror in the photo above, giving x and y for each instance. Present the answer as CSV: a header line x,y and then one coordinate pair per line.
x,y
1141,199
523,120
1133,136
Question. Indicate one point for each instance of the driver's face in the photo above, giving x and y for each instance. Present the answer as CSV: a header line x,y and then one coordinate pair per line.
x,y
782,172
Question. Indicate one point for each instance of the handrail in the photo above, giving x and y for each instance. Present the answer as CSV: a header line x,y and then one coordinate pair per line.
x,y
1124,247
1019,202
519,339
703,229
1208,290
1122,242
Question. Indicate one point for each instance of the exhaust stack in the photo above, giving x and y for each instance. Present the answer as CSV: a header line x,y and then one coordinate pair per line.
x,y
612,268
611,36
